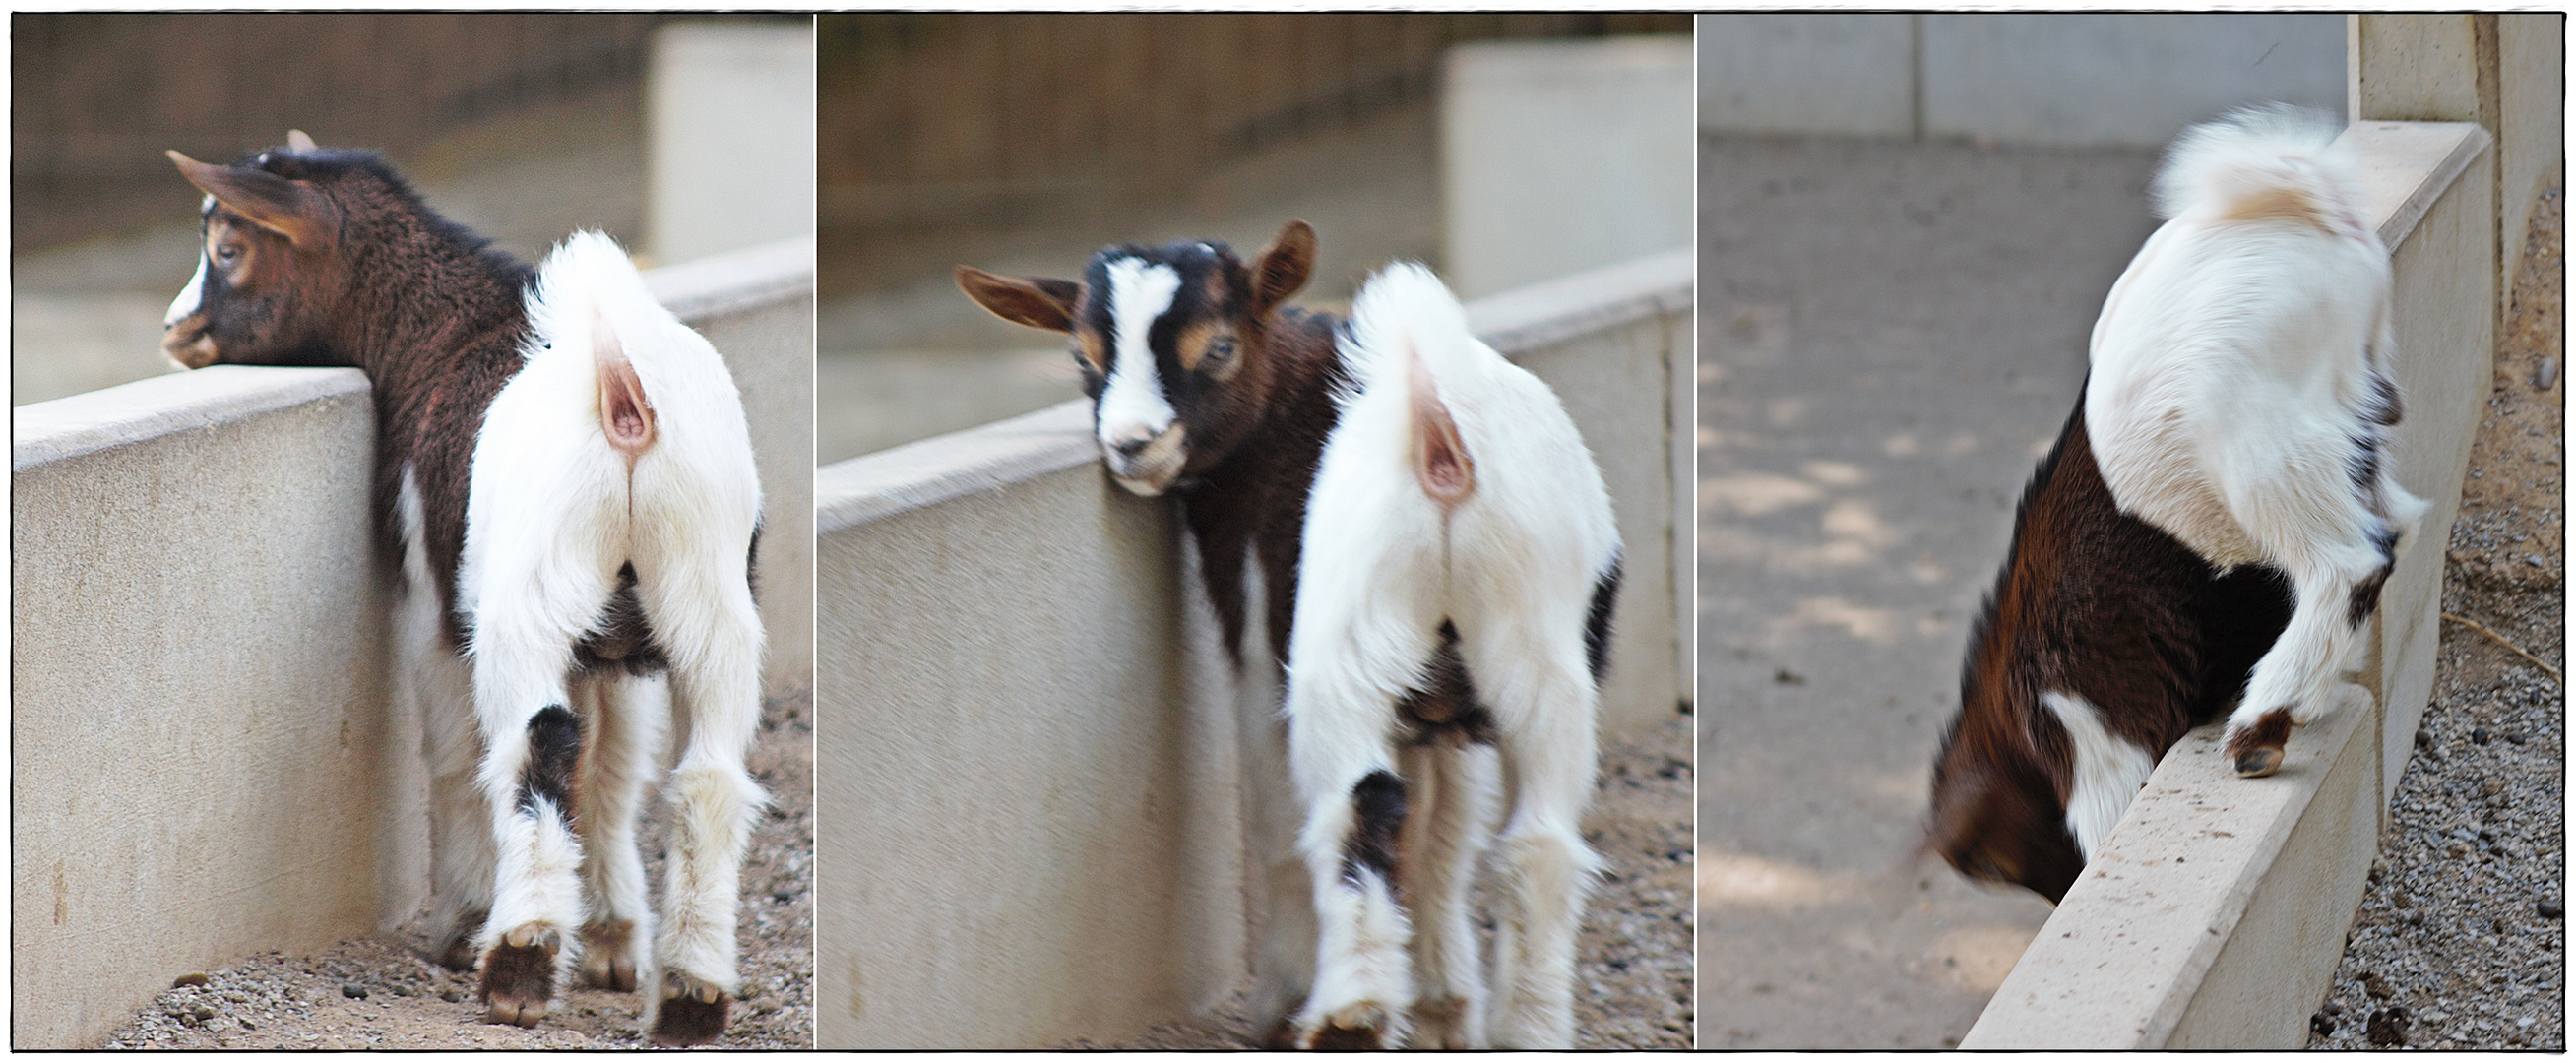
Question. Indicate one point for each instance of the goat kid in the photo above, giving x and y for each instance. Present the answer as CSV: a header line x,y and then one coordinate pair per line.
x,y
566,472
1408,533
2217,517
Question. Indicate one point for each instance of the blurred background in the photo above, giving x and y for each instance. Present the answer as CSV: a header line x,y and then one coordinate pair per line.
x,y
1022,143
521,126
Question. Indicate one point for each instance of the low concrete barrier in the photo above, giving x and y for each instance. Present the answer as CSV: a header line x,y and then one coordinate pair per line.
x,y
2215,913
1029,767
206,760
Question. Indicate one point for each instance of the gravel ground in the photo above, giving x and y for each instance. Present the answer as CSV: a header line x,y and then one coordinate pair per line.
x,y
1633,966
383,992
2461,941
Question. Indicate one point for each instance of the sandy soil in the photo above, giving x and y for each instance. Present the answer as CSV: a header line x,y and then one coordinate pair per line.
x,y
2461,941
1633,967
384,993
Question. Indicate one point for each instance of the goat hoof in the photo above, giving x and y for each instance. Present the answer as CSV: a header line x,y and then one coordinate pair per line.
x,y
458,954
519,975
1282,1036
2258,762
693,1012
1360,1027
604,962
2256,749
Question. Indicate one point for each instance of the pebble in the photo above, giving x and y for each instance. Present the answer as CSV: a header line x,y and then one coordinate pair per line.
x,y
2550,909
353,991
187,980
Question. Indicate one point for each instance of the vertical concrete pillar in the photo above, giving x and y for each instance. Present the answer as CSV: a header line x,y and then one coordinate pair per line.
x,y
2449,309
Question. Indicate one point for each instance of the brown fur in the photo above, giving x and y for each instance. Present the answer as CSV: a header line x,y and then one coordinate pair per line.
x,y
2257,751
366,275
687,1019
2097,604
2276,204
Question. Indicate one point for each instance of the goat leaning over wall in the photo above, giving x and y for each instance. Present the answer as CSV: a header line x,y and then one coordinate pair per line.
x,y
2217,517
1408,532
567,475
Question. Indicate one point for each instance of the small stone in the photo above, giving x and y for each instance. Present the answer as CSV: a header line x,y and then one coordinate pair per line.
x,y
187,980
2423,739
2376,987
353,991
2546,375
2478,735
2333,1008
452,996
2515,737
2323,1025
2552,909
203,1012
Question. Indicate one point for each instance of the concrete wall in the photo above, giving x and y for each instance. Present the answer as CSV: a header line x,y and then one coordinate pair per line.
x,y
2215,914
206,761
2063,79
1028,761
1561,156
729,153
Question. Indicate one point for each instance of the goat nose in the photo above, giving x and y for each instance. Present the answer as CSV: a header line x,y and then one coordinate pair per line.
x,y
1130,446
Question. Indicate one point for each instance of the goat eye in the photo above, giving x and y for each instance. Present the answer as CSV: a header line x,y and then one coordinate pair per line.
x,y
1219,349
227,254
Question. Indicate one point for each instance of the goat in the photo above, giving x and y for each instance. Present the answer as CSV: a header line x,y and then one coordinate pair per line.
x,y
1408,533
2216,518
566,473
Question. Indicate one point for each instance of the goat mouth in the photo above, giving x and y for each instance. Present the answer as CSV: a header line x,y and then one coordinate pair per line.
x,y
190,347
1152,471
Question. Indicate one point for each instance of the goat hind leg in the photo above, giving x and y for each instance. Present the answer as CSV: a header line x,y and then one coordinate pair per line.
x,y
626,724
528,776
713,804
1546,700
1445,835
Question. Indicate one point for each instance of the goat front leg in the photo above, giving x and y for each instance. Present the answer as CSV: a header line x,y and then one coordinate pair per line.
x,y
462,861
1283,962
1445,835
626,716
715,689
2338,551
532,741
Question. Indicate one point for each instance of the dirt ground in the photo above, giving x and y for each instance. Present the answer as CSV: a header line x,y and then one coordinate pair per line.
x,y
1633,964
2461,941
384,992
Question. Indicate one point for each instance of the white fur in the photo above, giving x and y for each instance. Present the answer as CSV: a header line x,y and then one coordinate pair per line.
x,y
186,302
1513,566
2232,369
1133,406
552,513
2108,771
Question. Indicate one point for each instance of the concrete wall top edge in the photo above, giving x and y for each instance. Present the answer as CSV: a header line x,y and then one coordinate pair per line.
x,y
1543,314
132,412
2406,166
930,471
721,283
145,409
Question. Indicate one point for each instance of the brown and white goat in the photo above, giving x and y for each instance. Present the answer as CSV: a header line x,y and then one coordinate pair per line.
x,y
1407,531
567,475
2217,518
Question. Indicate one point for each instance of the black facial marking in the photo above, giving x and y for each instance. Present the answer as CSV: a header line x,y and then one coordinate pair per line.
x,y
554,746
1378,802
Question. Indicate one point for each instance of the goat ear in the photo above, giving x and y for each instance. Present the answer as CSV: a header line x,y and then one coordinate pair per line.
x,y
1038,302
289,208
298,140
1283,266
